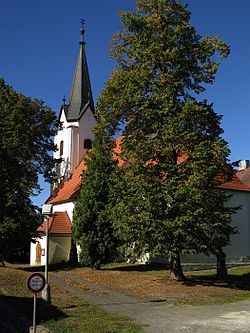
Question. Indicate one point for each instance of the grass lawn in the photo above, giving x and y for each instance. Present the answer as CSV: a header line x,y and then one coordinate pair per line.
x,y
68,314
87,318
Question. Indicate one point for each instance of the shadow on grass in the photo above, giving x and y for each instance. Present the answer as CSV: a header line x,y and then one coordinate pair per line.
x,y
138,268
16,313
51,268
237,282
116,267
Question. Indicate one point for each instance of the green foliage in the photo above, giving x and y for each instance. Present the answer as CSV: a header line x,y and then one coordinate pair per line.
x,y
167,200
26,127
92,229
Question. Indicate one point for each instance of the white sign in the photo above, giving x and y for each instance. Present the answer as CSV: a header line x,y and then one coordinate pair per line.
x,y
36,282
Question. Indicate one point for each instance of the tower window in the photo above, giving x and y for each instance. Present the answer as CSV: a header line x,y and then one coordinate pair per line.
x,y
87,144
61,148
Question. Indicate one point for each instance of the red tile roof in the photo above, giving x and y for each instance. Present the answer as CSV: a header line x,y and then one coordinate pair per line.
x,y
235,184
59,223
69,189
118,150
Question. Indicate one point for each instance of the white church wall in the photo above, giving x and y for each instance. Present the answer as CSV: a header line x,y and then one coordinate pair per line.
x,y
74,148
61,134
59,250
68,134
73,134
239,248
64,207
86,124
37,256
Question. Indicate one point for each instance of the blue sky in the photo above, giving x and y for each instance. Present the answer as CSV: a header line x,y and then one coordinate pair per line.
x,y
39,47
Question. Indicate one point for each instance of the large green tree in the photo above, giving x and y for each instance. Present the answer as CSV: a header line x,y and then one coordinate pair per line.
x,y
168,198
92,228
27,127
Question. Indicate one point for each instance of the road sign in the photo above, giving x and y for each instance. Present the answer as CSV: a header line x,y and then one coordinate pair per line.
x,y
36,282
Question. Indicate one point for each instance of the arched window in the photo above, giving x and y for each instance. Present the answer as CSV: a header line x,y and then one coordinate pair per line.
x,y
87,144
61,148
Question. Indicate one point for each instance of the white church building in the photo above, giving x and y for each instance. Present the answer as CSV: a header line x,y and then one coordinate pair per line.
x,y
74,136
73,139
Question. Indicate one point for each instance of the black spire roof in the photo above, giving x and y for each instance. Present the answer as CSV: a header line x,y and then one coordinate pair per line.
x,y
80,93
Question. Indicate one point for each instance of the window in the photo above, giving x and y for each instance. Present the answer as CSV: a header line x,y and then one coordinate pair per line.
x,y
61,148
87,144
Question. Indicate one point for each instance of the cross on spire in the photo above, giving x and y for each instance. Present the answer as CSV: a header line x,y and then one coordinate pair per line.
x,y
82,21
64,100
82,31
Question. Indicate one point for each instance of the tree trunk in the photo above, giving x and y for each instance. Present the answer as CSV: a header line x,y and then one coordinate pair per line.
x,y
176,272
221,265
73,257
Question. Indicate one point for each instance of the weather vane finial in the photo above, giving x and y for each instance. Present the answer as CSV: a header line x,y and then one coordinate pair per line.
x,y
82,31
64,100
82,21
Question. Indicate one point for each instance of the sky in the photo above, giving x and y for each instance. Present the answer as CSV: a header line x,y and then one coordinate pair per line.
x,y
39,45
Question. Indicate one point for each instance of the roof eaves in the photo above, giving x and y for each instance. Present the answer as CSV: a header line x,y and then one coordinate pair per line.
x,y
229,188
72,198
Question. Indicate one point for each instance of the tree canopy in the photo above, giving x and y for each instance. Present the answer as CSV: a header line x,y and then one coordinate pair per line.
x,y
92,228
27,128
169,202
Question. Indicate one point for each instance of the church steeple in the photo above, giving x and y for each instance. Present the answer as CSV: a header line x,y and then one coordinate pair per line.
x,y
80,93
76,120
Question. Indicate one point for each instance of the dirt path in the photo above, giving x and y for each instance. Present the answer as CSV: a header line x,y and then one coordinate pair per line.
x,y
159,316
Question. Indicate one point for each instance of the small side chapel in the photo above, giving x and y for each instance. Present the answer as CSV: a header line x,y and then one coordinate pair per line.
x,y
73,139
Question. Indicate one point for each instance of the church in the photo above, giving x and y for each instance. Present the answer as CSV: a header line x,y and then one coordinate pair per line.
x,y
73,139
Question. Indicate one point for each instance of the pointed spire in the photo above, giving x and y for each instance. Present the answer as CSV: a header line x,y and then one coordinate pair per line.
x,y
80,93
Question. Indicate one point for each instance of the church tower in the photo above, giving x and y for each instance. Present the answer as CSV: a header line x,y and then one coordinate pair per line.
x,y
76,120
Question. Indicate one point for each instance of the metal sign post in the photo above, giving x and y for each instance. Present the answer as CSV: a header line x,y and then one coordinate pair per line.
x,y
46,211
46,290
34,314
35,283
